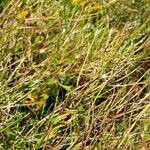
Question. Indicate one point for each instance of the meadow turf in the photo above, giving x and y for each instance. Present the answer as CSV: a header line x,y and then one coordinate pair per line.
x,y
74,75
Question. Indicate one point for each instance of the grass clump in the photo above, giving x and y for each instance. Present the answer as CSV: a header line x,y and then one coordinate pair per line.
x,y
75,76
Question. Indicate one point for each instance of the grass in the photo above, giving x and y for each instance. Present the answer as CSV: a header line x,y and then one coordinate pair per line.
x,y
75,75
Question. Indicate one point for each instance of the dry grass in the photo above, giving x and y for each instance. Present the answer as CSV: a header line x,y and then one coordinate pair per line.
x,y
75,76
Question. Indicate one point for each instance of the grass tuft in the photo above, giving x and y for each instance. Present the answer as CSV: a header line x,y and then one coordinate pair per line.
x,y
75,75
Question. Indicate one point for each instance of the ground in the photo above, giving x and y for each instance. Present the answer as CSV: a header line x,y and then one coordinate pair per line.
x,y
74,75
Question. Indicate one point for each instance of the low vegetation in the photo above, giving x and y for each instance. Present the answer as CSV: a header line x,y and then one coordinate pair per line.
x,y
75,75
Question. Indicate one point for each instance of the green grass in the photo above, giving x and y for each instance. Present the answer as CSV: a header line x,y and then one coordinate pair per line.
x,y
73,76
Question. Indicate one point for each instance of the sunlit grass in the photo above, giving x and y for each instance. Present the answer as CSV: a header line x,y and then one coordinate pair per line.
x,y
75,76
